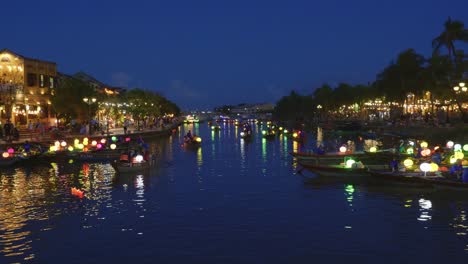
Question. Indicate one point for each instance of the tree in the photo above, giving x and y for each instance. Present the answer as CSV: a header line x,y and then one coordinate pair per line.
x,y
67,101
454,30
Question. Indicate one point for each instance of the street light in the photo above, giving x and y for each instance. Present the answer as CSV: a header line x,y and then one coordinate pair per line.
x,y
89,101
460,88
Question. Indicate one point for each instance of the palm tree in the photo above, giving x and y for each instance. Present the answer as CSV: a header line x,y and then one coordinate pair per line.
x,y
454,31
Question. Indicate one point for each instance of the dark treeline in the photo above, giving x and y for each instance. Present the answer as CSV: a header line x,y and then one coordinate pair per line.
x,y
409,74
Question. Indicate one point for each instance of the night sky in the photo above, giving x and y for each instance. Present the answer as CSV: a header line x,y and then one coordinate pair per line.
x,y
202,54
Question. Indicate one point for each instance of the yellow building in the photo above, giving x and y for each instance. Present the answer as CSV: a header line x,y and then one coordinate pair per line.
x,y
26,86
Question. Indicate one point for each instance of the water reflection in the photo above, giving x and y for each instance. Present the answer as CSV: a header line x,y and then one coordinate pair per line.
x,y
349,193
425,210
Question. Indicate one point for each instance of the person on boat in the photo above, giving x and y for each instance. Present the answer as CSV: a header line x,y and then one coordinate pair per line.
x,y
189,135
457,169
27,147
437,157
394,164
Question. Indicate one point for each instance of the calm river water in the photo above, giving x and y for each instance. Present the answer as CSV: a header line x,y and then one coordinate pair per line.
x,y
228,201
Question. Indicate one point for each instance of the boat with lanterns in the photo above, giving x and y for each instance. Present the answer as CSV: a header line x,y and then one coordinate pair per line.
x,y
192,142
350,167
135,165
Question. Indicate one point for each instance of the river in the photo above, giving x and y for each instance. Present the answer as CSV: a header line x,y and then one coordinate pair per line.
x,y
228,201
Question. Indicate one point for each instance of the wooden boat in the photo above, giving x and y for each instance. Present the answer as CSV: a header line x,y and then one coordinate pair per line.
x,y
128,167
98,155
420,180
6,162
334,170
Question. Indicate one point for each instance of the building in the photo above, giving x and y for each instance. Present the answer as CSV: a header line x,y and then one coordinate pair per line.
x,y
98,86
26,86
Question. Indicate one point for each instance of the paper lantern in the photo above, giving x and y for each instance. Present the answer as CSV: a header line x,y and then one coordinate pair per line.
x,y
76,141
242,134
198,139
410,151
285,131
408,163
103,141
80,146
452,159
127,139
295,135
114,138
450,144
57,144
93,143
424,144
263,132
349,163
99,146
434,167
139,158
458,155
342,149
373,149
5,154
465,147
425,167
63,144
457,147
70,148
113,146
425,152
11,151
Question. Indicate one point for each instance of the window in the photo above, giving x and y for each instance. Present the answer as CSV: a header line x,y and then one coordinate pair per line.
x,y
51,82
32,79
41,80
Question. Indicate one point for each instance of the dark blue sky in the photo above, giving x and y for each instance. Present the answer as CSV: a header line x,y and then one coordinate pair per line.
x,y
202,54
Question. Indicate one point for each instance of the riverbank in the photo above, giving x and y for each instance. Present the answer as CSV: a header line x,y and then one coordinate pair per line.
x,y
144,133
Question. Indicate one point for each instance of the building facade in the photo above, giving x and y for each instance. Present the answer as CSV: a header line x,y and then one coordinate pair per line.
x,y
26,86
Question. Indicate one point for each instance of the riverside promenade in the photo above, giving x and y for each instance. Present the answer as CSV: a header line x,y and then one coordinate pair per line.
x,y
132,131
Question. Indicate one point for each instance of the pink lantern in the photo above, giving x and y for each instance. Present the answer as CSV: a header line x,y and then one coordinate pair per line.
x,y
11,151
127,139
99,146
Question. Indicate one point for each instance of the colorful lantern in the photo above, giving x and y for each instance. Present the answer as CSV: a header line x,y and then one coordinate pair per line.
x,y
342,149
139,158
457,147
103,141
93,143
70,148
373,149
114,138
408,163
465,147
434,167
63,144
11,151
450,144
424,144
113,146
349,163
458,155
99,146
425,167
5,154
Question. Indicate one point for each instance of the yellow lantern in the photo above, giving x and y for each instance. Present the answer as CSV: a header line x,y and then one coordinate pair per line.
x,y
424,144
94,143
70,148
408,163
434,167
5,155
63,144
458,155
373,149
